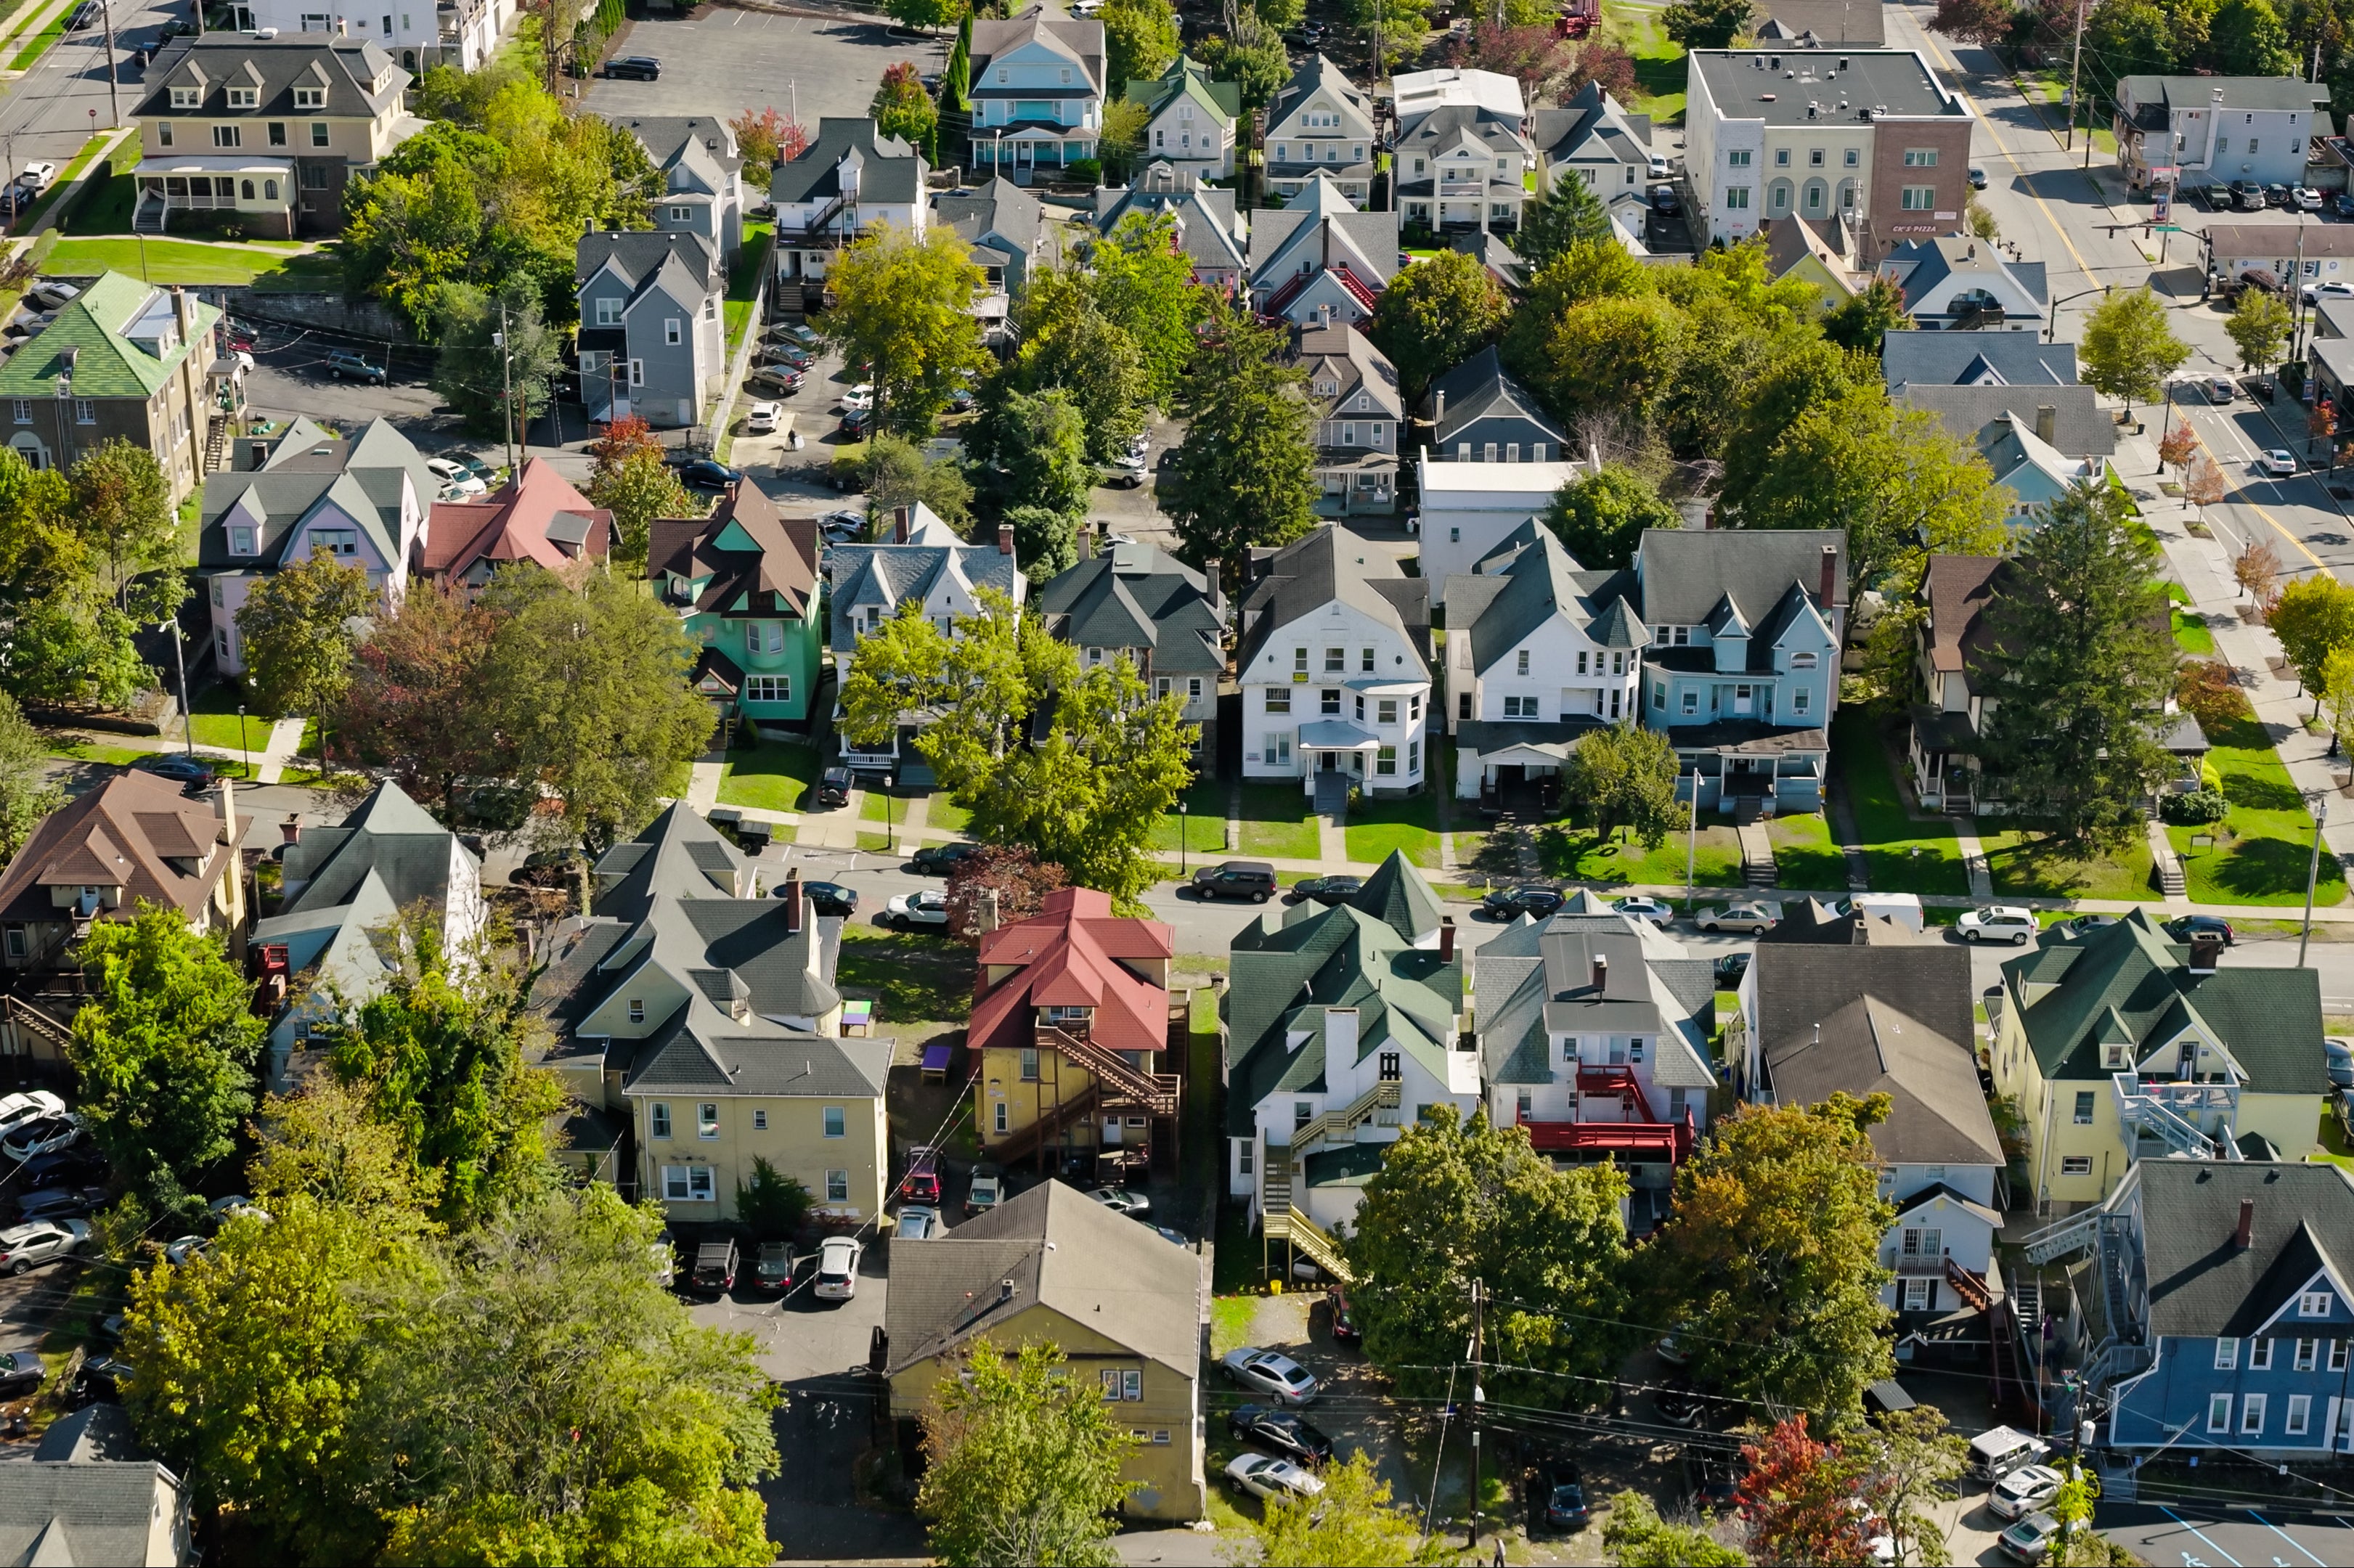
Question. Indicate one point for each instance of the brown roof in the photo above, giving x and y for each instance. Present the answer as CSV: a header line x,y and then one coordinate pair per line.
x,y
1959,589
777,577
538,519
125,833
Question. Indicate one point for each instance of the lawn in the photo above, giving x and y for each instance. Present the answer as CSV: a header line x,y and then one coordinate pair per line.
x,y
770,776
214,722
1379,824
91,751
1565,850
945,814
2191,633
915,979
64,181
2265,844
106,207
1804,857
2022,861
42,42
1905,856
1276,821
744,281
191,261
1660,74
1203,822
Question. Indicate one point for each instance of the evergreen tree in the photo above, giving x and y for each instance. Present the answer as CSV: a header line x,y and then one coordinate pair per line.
x,y
1861,320
1569,213
1245,473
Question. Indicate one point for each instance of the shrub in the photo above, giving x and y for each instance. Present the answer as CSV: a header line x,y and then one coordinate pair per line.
x,y
2198,806
2210,689
1087,170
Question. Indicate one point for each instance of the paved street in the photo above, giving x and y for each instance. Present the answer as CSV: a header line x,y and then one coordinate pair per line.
x,y
2239,1537
46,113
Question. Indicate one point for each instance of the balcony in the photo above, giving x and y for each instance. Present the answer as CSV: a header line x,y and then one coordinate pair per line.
x,y
1919,1265
2194,1118
1651,1142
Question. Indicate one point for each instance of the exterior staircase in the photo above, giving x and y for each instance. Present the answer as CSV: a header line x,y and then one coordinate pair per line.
x,y
2171,879
1122,1084
151,214
1307,1238
1332,797
1025,1141
35,1021
215,444
1969,1284
1286,1162
2073,1234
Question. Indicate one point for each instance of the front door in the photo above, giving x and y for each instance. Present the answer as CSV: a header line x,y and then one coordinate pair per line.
x,y
1025,153
1328,762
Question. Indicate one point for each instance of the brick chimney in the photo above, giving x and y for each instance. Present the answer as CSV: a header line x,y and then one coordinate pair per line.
x,y
1447,939
1830,576
1601,972
898,525
291,828
2047,424
2245,1237
1005,538
793,901
2206,952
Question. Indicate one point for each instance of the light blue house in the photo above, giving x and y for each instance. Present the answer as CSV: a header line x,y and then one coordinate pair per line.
x,y
1037,92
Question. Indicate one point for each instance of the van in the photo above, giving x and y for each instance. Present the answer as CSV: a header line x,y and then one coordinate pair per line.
x,y
714,1267
1904,908
1997,1453
1251,879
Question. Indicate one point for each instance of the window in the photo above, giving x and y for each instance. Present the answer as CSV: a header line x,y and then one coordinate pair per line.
x,y
706,1120
1488,452
1920,157
240,540
2260,1355
768,688
637,373
1385,762
163,133
1029,1063
246,193
2076,1165
1122,1385
2252,1416
2227,1355
1814,157
688,1184
837,1186
187,97
1386,710
278,132
228,135
1692,702
1799,701
1737,198
1524,666
24,410
1278,699
1781,157
85,411
309,98
2300,1414
244,98
674,330
2084,1108
2313,1304
2306,1351
314,175
2253,145
658,1120
1412,757
1242,1157
1330,704
1802,661
1737,159
1520,707
1003,1121
1335,660
1299,661
1920,198
1850,158
637,1010
837,1121
2219,1413
319,138
759,1121
681,214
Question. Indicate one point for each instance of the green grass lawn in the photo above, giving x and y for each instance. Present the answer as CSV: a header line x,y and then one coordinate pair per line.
x,y
770,776
1905,856
42,42
1660,74
1276,822
1380,824
945,814
1804,857
190,262
915,978
1569,850
744,280
2265,843
73,172
1203,822
2021,861
95,751
2191,634
214,722
885,806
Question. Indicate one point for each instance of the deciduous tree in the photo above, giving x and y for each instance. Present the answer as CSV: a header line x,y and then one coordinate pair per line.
x,y
1139,39
1604,63
2127,348
1636,1537
765,139
2175,447
1532,53
632,478
1244,475
121,506
924,14
2257,570
899,473
1913,1462
1434,315
496,390
1069,345
1601,517
2259,325
904,305
1349,1524
326,1145
1985,22
1142,283
1864,317
297,630
1032,448
1625,777
902,107
2313,617
410,707
1025,1463
1251,55
27,793
1800,1499
1708,24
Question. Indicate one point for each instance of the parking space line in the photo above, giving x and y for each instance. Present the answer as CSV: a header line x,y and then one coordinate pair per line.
x,y
2194,1530
2285,1535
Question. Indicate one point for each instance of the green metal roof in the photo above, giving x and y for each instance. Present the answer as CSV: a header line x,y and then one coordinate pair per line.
x,y
108,364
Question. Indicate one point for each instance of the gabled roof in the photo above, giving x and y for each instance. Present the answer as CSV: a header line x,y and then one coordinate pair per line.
x,y
1537,978
1001,215
1070,955
389,836
1479,389
888,169
1813,922
538,519
1341,355
1304,577
1528,579
1827,23
1871,1045
1317,76
677,856
1450,126
1959,589
1980,357
1080,42
371,479
1800,985
694,140
1208,230
2202,1283
1135,596
85,1511
1318,230
125,833
1188,78
885,575
119,338
673,261
1686,575
2273,93
2080,427
751,560
360,78
1398,896
1593,127
1932,272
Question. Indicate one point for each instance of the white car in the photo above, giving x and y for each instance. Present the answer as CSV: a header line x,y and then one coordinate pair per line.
x,y
1660,167
2277,462
909,910
988,1190
859,398
180,1249
1270,1372
2307,199
1642,908
23,1248
2314,291
32,1106
2024,1490
1753,918
762,419
837,1269
36,175
236,1206
465,487
1120,1201
42,1136
1264,1475
1998,923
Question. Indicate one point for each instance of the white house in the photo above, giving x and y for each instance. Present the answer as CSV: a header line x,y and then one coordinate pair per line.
x,y
1192,126
462,33
849,179
2224,128
1321,123
1954,280
1463,155
1467,508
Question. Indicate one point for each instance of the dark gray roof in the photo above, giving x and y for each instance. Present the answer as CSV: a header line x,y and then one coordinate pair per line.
x,y
367,479
1000,215
1135,596
1302,578
349,69
1593,127
1811,922
95,1432
679,855
1871,1046
1536,980
667,137
1529,578
390,835
83,1512
2275,93
1800,985
1893,81
885,575
1317,74
1208,231
679,259
1685,574
889,170
1974,359
1343,356
1921,268
760,1062
1828,23
1479,389
2201,1285
2080,427
1397,896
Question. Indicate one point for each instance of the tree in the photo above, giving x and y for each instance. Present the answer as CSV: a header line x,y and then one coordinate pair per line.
x,y
1800,1497
1454,1201
2250,40
1708,24
1034,450
587,680
163,1048
2127,349
637,489
771,1205
1071,346
1402,24
1139,39
495,397
2202,483
1250,54
122,508
898,473
1625,777
2175,447
1636,1537
1610,352
2257,570
409,707
1603,63
1532,53
1770,1265
1023,1463
1434,315
326,1146
297,631
1120,145
765,139
1566,214
2259,327
956,83
902,107
1142,283
1985,22
1864,317
1772,399
904,305
1349,1524
928,15
27,793
1244,476
2313,617
1601,517
1913,1461
1046,542
1017,876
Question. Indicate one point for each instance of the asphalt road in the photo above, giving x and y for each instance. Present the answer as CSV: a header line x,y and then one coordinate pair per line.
x,y
49,112
2240,1537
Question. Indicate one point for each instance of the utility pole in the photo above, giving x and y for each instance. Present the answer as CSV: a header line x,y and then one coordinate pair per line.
x,y
2075,64
507,387
114,75
2319,800
1476,1395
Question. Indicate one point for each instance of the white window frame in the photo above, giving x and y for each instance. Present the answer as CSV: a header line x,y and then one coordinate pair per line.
x,y
837,1186
2299,1417
837,1121
706,1120
2251,1414
2313,1304
759,1121
657,1120
2219,1413
674,332
2227,1354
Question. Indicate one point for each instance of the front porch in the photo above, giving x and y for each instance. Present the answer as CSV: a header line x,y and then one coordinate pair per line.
x,y
1016,152
1748,770
261,191
1495,763
1355,482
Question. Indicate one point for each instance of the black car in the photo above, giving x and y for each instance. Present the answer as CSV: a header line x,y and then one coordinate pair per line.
x,y
941,859
1560,1492
705,473
772,1271
1713,1482
84,14
1511,903
632,68
1730,968
63,1203
854,422
1326,890
2247,195
1251,879
101,1380
59,1168
2182,928
21,1374
791,353
1686,1404
194,773
2279,195
833,787
1279,1432
831,898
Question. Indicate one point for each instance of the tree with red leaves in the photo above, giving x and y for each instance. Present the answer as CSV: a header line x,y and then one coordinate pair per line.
x,y
1605,65
625,438
767,138
1804,1500
1019,878
1533,56
1982,22
412,706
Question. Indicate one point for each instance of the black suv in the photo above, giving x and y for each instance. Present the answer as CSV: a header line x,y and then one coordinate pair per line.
x,y
1511,903
1251,879
1279,1432
833,787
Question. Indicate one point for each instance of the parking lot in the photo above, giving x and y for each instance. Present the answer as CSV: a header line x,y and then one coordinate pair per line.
x,y
2209,1537
730,61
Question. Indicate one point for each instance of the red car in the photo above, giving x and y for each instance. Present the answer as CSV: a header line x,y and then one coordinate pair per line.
x,y
921,1184
1344,1323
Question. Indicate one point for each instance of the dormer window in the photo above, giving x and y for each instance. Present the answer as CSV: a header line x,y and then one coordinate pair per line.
x,y
309,98
2114,1058
245,97
187,97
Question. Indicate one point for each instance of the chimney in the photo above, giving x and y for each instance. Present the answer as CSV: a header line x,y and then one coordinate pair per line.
x,y
2245,1237
228,811
984,913
1087,542
1005,538
1447,939
1438,406
1210,576
899,524
1830,576
1340,1036
291,828
1006,1290
1601,973
2206,951
259,451
2047,424
793,901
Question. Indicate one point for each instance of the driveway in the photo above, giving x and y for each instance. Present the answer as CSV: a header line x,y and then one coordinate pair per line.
x,y
806,67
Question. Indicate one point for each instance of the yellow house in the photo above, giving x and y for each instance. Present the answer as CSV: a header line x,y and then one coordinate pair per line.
x,y
1129,1311
2122,1044
1797,249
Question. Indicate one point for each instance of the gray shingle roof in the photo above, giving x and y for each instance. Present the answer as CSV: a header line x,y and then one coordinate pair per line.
x,y
1529,578
1303,576
1685,575
1593,127
2201,1284
676,856
1208,230
1317,75
1801,985
674,259
2080,427
667,139
348,69
1135,596
1077,40
1974,359
83,1512
366,478
1319,230
883,575
1001,215
1855,23
1479,389
1870,1045
1542,983
1343,358
699,1050
389,836
889,170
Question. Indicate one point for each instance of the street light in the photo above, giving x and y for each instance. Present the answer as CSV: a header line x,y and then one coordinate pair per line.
x,y
1182,808
243,745
187,720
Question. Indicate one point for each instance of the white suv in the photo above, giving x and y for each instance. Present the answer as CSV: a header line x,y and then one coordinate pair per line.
x,y
1998,923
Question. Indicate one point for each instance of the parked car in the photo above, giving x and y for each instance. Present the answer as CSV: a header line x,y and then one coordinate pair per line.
x,y
1270,1372
2182,928
193,774
705,473
1279,1432
41,1137
1713,1482
2220,389
1662,168
1324,890
2337,1056
1998,923
60,1203
21,1374
777,379
2316,291
761,419
179,1249
859,399
1120,1201
1344,1321
2279,195
1977,179
921,1184
345,366
916,1223
1264,1475
30,1105
2030,1541
2277,462
632,68
2024,1490
1672,1350
941,859
36,177
26,1247
773,1270
837,1269
1686,1404
1664,199
2248,196
830,897
1755,919
784,352
1730,968
799,333
1642,908
833,787
986,1190
854,422
1511,902
2083,925
66,1167
926,910
233,1207
100,1382
1560,1495
1251,879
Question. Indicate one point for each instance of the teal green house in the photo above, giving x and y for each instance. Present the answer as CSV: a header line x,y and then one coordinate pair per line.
x,y
744,580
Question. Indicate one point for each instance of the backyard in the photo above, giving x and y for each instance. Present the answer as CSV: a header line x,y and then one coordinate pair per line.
x,y
1904,856
915,979
1660,72
2263,846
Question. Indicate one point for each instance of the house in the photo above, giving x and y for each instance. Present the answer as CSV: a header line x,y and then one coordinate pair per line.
x,y
1037,91
1128,1310
463,35
1320,124
91,1494
345,893
1317,260
2215,1309
744,582
1821,25
124,359
1360,416
677,856
651,339
1479,414
1891,1015
1963,356
1209,231
1468,508
1817,253
1192,119
1343,1025
2325,252
1462,151
271,130
1594,1032
364,500
539,517
1333,611
1069,1027
2170,128
133,839
1955,280
1593,137
1539,652
2121,1045
702,170
2040,441
923,567
1869,136
1002,222
1490,250
849,178
1167,618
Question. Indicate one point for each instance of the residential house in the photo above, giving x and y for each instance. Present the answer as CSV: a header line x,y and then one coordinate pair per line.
x,y
1595,138
1360,416
1594,1032
2121,1045
2170,128
1037,91
1002,222
1069,1027
849,178
701,173
923,565
2320,253
1343,1025
1192,119
1468,508
344,894
1490,250
1320,124
1964,357
1868,136
1817,253
652,341
1168,619
271,130
1128,1311
1317,260
1955,280
1479,414
1334,666
1462,151
1209,231
91,1494
365,500
539,517
1743,663
744,581
678,855
461,33
1821,25
2040,441
123,360
1539,652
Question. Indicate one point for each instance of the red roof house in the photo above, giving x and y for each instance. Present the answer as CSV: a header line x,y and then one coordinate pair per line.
x,y
539,517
